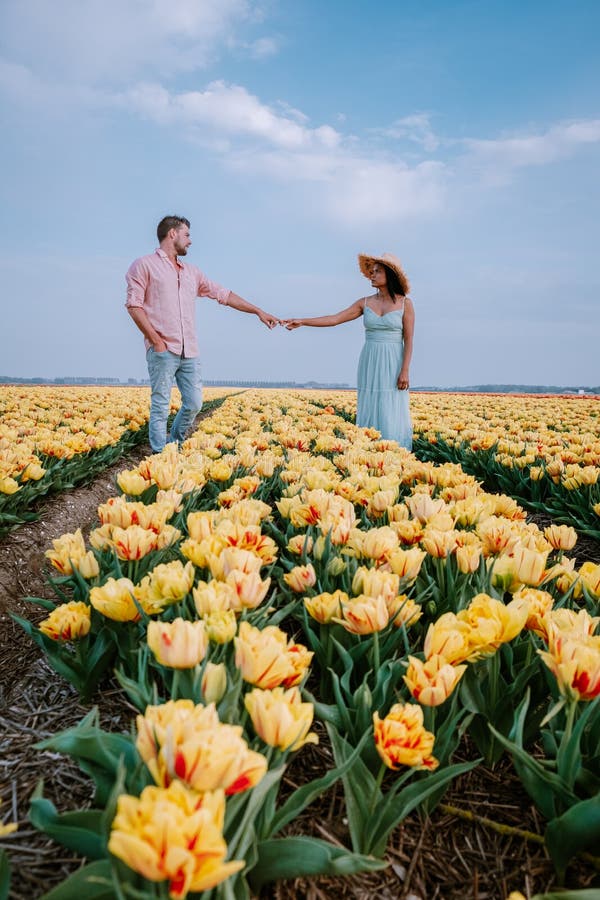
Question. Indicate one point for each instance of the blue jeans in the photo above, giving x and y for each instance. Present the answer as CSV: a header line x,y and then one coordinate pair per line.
x,y
165,369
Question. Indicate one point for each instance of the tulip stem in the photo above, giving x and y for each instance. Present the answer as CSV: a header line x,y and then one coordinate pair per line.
x,y
175,684
502,828
377,789
571,710
376,654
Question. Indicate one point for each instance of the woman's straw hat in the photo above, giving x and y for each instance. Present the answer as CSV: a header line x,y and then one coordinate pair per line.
x,y
387,259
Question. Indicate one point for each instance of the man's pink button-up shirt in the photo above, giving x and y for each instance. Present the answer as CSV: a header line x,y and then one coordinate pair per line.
x,y
167,294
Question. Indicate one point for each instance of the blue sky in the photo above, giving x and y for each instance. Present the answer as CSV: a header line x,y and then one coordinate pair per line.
x,y
462,136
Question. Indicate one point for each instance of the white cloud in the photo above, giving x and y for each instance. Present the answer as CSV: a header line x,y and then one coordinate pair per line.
x,y
278,143
416,128
496,159
228,110
109,40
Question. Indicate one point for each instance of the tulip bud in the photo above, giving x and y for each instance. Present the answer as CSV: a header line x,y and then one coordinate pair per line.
x,y
214,682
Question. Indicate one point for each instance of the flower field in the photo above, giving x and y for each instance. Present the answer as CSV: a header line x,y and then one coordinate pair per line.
x,y
52,438
287,583
545,451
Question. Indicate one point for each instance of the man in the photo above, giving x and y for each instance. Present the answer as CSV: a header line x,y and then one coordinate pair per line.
x,y
161,290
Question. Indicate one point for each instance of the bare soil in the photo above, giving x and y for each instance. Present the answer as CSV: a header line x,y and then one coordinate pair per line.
x,y
446,856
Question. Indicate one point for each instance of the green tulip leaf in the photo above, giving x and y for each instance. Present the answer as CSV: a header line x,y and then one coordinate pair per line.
x,y
4,875
400,801
573,832
360,788
547,790
585,894
294,857
80,831
94,882
98,754
569,757
304,796
240,817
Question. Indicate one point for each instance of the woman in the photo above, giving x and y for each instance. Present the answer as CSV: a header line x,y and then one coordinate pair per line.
x,y
389,321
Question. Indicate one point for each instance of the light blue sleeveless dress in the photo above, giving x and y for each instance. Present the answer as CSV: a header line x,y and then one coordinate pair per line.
x,y
380,404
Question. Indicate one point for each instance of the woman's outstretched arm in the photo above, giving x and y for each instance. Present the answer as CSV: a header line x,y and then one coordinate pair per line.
x,y
345,315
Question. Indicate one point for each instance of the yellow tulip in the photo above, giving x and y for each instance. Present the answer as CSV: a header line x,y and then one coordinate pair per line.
x,y
379,543
448,637
280,718
172,581
530,566
589,574
438,544
249,590
267,659
132,483
186,741
364,615
324,607
214,682
431,682
407,563
374,583
575,663
248,537
422,507
467,558
199,552
402,740
576,623
177,717
221,626
179,644
68,622
87,565
213,597
175,835
201,525
561,537
409,532
115,600
540,604
68,549
381,501
300,578
211,758
403,611
492,622
300,543
233,558
220,471
133,542
32,472
167,536
8,485
565,577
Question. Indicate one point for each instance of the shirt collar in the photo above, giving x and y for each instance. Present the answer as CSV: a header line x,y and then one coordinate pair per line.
x,y
162,254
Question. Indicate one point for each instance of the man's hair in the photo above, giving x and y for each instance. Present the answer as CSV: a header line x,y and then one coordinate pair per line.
x,y
165,225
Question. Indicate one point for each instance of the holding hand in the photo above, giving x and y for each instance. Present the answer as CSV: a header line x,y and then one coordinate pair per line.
x,y
269,320
290,324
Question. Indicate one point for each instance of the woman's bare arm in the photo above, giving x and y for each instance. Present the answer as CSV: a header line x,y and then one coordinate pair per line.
x,y
408,331
345,315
